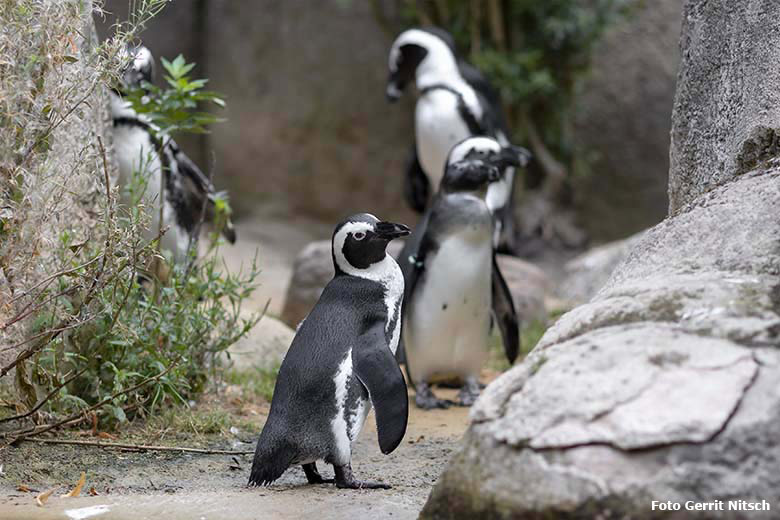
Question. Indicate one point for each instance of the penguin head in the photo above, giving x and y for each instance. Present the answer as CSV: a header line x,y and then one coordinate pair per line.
x,y
490,151
469,175
139,66
418,53
360,241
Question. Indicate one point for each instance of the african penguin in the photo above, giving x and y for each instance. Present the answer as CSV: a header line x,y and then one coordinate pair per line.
x,y
340,363
141,149
455,102
453,283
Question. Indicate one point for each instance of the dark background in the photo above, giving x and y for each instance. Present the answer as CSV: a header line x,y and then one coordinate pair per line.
x,y
309,131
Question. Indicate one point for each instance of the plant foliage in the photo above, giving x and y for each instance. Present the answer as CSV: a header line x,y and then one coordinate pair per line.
x,y
79,335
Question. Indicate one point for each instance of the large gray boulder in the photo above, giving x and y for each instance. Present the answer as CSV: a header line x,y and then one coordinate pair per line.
x,y
589,271
664,386
264,347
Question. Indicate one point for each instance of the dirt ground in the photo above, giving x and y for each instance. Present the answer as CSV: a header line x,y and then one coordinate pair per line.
x,y
171,486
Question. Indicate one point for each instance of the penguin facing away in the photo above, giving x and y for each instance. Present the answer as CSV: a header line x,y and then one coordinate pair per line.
x,y
139,148
341,363
455,102
452,281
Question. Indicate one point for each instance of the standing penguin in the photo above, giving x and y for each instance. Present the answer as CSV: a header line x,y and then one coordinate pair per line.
x,y
456,101
452,278
141,150
340,363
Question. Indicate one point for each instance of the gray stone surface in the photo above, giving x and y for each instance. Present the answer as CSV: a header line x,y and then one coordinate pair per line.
x,y
588,272
313,269
264,347
660,388
623,120
530,288
727,106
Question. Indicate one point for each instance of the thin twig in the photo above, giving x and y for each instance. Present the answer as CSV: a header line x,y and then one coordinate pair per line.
x,y
21,434
26,310
45,399
134,447
55,275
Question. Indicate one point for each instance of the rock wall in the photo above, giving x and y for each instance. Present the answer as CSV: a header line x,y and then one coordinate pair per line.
x,y
663,386
727,106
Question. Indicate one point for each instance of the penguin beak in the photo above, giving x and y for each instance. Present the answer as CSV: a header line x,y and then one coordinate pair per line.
x,y
494,174
391,230
394,88
516,156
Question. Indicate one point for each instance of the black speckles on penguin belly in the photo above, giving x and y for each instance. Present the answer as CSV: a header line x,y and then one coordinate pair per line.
x,y
356,394
444,306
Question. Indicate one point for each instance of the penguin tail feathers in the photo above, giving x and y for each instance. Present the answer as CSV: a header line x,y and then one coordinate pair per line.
x,y
271,460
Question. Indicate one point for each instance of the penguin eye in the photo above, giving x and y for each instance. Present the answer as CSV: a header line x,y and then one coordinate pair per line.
x,y
359,235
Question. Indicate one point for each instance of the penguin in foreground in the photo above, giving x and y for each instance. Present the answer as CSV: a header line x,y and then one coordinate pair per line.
x,y
340,363
455,102
139,148
452,279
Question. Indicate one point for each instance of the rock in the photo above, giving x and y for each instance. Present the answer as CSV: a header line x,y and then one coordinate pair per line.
x,y
622,122
588,272
313,269
264,347
529,286
663,387
725,113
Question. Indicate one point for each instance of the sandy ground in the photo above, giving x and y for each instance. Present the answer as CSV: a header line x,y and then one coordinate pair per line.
x,y
172,486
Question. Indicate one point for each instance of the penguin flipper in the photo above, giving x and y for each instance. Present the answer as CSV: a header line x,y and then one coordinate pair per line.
x,y
417,188
199,192
378,371
504,311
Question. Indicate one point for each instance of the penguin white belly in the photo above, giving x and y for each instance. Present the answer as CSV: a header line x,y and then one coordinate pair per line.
x,y
448,327
438,128
137,158
352,407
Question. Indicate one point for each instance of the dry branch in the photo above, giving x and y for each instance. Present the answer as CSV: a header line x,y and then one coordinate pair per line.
x,y
134,447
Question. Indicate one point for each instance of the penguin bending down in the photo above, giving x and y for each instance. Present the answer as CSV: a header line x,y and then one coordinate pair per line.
x,y
340,363
452,278
455,102
144,155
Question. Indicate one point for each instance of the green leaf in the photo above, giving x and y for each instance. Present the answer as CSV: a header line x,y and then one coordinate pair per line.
x,y
119,413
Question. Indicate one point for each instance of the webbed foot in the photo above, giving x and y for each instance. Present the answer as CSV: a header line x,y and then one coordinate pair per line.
x,y
424,398
345,480
313,476
469,392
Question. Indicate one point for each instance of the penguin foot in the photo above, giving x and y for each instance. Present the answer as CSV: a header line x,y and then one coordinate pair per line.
x,y
424,398
469,393
345,480
313,476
